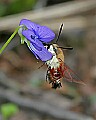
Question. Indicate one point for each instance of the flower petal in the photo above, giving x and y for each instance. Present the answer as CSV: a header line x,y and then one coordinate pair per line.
x,y
41,54
37,47
45,34
30,25
29,36
34,53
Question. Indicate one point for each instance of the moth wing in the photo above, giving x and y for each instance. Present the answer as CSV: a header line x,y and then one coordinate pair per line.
x,y
71,76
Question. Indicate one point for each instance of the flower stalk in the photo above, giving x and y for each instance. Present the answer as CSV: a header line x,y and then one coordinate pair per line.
x,y
9,40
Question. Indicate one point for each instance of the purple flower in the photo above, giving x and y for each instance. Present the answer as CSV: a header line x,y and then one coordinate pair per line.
x,y
37,34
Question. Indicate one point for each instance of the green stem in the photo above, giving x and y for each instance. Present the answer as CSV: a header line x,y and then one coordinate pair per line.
x,y
9,40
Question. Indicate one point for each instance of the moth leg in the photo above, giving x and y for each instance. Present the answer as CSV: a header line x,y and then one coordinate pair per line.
x,y
41,66
47,77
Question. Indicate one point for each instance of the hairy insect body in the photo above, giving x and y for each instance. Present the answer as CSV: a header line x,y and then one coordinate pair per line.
x,y
55,70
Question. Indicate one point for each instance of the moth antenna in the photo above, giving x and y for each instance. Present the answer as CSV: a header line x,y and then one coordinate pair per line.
x,y
68,48
61,28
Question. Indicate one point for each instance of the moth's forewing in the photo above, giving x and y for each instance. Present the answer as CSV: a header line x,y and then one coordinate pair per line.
x,y
71,76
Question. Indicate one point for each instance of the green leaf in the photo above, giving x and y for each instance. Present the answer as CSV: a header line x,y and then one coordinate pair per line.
x,y
8,110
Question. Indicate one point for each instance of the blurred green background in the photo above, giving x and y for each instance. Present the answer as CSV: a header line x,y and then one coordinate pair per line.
x,y
24,93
